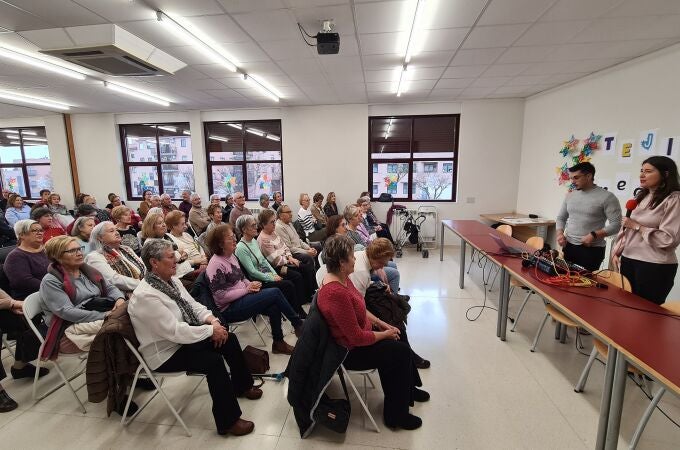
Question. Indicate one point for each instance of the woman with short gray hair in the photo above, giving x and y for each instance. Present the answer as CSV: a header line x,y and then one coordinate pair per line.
x,y
117,263
178,334
26,265
352,215
351,325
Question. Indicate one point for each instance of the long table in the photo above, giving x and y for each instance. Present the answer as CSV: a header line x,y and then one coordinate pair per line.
x,y
634,329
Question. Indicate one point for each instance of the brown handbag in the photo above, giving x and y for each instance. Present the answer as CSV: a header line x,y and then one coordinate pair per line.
x,y
257,360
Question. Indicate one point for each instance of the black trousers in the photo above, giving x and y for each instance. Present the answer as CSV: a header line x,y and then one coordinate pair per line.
x,y
385,232
287,288
16,328
307,272
649,280
588,257
203,357
398,375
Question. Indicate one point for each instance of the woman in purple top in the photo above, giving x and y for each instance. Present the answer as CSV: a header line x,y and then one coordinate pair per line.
x,y
240,299
26,265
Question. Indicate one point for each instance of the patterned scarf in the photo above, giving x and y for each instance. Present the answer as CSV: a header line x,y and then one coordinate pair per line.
x,y
125,262
169,289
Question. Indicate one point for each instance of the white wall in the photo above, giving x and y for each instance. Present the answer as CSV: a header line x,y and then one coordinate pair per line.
x,y
628,99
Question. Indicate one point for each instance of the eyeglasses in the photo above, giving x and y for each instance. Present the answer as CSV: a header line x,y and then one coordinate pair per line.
x,y
74,251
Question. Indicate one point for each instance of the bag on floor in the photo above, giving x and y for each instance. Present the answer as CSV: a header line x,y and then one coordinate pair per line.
x,y
257,360
334,413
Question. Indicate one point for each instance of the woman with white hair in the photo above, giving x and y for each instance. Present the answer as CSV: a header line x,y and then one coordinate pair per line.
x,y
117,263
26,265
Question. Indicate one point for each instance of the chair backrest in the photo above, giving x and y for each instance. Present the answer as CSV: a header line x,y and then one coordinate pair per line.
x,y
4,251
505,229
535,242
4,281
32,309
614,279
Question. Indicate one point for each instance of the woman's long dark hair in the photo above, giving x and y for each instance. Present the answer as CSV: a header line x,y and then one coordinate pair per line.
x,y
669,180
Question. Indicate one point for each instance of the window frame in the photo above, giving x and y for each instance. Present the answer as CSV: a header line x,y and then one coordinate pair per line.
x,y
413,158
158,164
23,165
243,163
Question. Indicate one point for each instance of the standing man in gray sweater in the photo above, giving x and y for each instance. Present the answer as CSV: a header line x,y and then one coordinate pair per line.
x,y
588,215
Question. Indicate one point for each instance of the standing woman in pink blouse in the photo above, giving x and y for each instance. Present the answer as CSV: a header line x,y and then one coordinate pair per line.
x,y
653,231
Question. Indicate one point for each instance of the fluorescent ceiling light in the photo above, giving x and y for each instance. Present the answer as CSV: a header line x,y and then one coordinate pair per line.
x,y
402,82
198,39
186,132
389,125
273,137
255,132
15,143
218,138
167,128
12,135
262,87
137,94
235,125
27,99
7,130
411,36
35,139
29,133
25,58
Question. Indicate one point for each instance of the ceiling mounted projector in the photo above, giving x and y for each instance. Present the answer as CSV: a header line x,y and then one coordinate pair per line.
x,y
327,42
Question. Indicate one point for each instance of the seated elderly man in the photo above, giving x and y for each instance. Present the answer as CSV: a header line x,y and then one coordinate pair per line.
x,y
166,204
198,217
176,333
238,210
264,202
285,230
185,204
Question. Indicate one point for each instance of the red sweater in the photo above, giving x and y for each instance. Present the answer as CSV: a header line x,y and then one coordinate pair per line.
x,y
345,312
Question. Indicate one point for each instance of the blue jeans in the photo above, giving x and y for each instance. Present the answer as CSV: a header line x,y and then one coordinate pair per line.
x,y
269,302
393,276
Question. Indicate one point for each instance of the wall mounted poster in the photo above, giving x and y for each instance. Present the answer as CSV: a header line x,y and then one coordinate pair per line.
x,y
625,151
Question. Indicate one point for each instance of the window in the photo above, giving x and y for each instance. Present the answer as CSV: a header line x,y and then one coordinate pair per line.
x,y
418,152
244,156
158,158
25,161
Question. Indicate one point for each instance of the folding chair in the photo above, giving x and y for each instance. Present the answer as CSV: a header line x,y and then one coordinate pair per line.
x,y
6,344
362,399
234,325
154,376
31,310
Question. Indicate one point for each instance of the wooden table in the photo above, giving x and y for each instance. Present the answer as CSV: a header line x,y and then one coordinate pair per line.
x,y
521,229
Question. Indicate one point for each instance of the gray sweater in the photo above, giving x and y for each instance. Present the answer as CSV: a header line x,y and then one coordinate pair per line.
x,y
53,299
586,211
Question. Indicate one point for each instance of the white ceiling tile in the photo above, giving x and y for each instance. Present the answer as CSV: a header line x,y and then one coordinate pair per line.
x,y
192,8
348,47
243,6
431,59
557,67
490,81
301,66
419,85
451,13
118,11
189,55
246,52
578,9
514,11
546,33
376,76
511,90
494,36
383,17
269,25
380,62
210,70
208,83
535,53
527,80
223,93
631,28
287,49
63,13
636,8
454,83
381,43
263,68
501,70
425,73
477,56
54,37
445,94
154,33
386,86
477,92
221,28
354,89
440,40
600,50
17,20
560,78
464,71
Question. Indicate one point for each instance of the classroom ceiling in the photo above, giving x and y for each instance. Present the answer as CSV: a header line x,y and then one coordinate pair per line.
x,y
464,49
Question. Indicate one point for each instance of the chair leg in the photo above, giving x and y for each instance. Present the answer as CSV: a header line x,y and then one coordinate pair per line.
x,y
538,333
645,418
586,371
259,333
67,382
361,400
521,310
7,345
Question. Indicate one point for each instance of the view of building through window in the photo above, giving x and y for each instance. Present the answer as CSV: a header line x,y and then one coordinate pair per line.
x,y
25,161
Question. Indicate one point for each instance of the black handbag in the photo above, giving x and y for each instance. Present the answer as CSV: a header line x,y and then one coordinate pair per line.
x,y
100,304
334,413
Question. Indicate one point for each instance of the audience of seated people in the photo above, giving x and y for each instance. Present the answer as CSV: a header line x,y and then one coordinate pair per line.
x,y
330,208
167,205
185,204
122,217
81,230
257,268
215,212
264,202
317,210
286,231
155,228
240,299
145,204
26,265
278,199
239,209
117,262
44,199
198,217
229,205
16,209
371,220
177,226
54,205
355,228
314,231
114,200
49,224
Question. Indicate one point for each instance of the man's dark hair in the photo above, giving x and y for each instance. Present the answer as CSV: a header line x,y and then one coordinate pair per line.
x,y
584,167
42,191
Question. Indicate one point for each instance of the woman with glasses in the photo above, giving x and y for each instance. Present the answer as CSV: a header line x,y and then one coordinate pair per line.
x,y
26,265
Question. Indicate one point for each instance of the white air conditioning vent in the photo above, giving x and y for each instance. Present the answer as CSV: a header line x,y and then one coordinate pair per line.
x,y
108,49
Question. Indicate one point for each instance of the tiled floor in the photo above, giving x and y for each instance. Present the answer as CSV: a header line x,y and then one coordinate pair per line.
x,y
485,393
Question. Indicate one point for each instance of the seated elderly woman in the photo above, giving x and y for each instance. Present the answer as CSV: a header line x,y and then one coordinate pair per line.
x,y
154,228
26,265
317,210
54,204
257,267
145,204
281,258
178,334
239,299
81,230
351,325
51,227
16,209
215,212
177,224
314,231
118,263
330,207
264,202
355,228
74,297
371,220
122,217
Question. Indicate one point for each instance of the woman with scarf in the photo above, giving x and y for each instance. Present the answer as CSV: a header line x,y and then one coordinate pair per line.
x,y
74,297
176,333
116,262
126,227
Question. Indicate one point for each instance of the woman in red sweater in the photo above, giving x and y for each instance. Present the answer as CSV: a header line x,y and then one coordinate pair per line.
x,y
353,327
